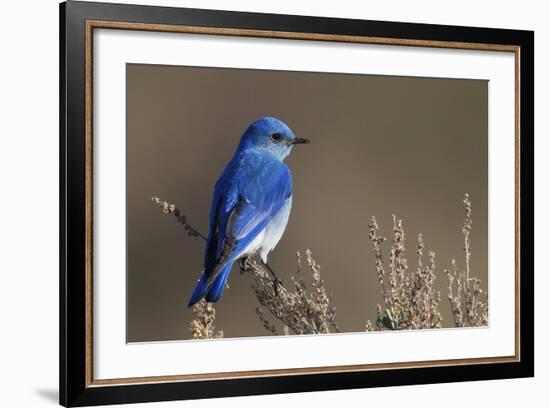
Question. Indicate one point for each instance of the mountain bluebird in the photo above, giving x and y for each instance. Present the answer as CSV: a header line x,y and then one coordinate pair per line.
x,y
250,206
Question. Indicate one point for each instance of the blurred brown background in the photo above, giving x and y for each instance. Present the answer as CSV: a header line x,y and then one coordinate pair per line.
x,y
380,146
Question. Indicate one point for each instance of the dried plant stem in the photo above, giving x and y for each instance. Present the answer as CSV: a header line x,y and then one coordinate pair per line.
x,y
466,229
171,209
377,242
468,305
202,327
410,301
299,312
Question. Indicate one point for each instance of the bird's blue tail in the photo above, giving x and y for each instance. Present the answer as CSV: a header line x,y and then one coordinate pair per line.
x,y
218,286
214,292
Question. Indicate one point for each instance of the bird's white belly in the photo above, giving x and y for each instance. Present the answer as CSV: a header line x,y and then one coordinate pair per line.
x,y
275,230
253,246
270,236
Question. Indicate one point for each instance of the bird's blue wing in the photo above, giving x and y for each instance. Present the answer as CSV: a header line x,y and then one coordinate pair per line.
x,y
217,210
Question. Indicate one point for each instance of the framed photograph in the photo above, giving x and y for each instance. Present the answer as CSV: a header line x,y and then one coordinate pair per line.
x,y
255,203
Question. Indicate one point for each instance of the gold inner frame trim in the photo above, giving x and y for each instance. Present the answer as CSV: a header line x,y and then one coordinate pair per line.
x,y
97,24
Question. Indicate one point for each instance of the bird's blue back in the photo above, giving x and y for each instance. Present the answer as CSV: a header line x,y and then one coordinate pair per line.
x,y
256,181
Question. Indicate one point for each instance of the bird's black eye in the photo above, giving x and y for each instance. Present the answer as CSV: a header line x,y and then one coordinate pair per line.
x,y
276,137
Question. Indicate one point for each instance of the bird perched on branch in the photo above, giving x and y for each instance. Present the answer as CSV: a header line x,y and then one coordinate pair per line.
x,y
250,206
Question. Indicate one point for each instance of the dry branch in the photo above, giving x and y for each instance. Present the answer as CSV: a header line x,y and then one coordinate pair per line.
x,y
469,306
299,312
202,327
171,209
410,300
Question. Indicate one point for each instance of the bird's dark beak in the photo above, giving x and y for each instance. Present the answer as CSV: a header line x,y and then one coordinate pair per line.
x,y
299,140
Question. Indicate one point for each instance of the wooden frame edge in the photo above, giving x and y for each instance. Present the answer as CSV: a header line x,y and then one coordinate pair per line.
x,y
291,35
90,25
231,375
89,205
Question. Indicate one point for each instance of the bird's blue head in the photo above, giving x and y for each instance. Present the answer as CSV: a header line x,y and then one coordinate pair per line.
x,y
272,135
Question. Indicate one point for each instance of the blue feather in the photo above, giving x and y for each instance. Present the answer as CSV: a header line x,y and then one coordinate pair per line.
x,y
216,290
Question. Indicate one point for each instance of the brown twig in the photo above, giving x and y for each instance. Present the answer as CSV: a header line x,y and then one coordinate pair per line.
x,y
300,312
202,327
171,209
410,300
468,305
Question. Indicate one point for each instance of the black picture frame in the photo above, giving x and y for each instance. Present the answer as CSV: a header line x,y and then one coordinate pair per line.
x,y
75,389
